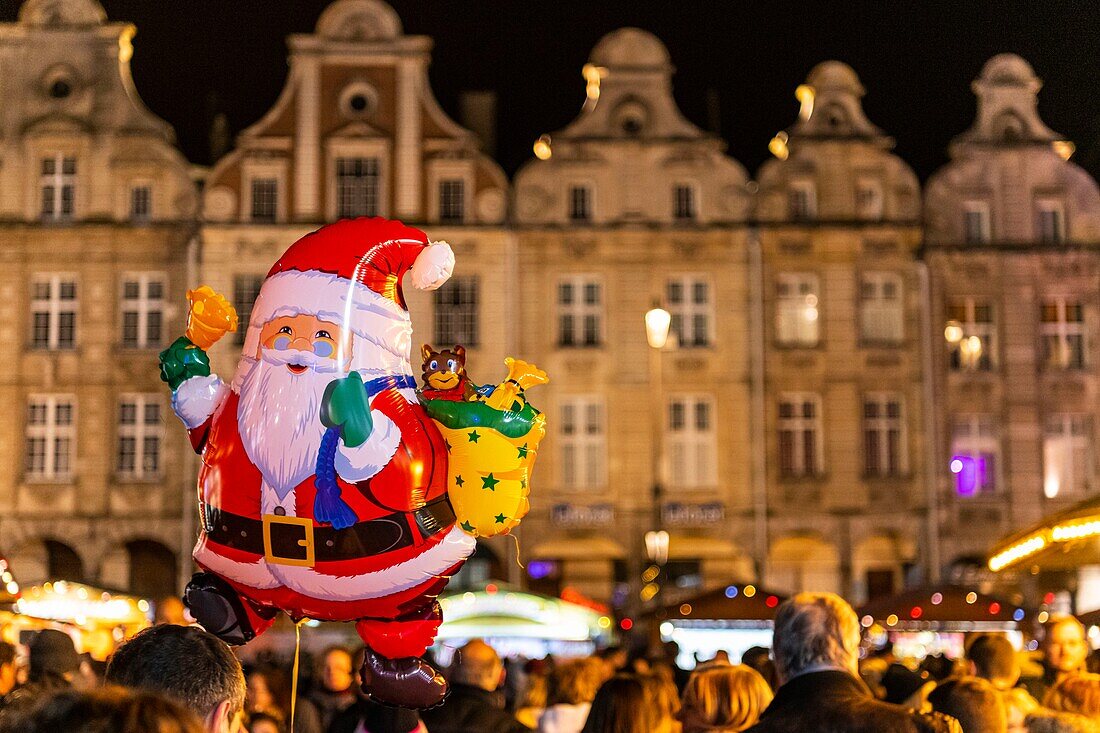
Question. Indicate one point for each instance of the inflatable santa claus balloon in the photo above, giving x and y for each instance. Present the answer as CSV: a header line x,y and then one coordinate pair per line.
x,y
323,486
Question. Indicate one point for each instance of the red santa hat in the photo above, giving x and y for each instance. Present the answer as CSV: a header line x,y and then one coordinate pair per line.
x,y
350,273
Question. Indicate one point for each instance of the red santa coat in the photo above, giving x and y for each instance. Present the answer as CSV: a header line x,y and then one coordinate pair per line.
x,y
383,585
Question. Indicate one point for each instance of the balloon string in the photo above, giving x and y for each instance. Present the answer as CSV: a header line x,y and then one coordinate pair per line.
x,y
294,679
518,561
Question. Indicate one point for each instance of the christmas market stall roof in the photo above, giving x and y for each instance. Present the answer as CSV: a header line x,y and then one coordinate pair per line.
x,y
941,608
1062,541
500,611
82,605
726,607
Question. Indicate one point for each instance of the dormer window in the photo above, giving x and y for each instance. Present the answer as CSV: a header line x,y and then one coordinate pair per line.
x,y
976,228
802,201
1050,220
58,188
452,200
869,200
580,203
683,202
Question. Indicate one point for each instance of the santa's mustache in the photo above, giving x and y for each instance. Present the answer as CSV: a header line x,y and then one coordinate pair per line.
x,y
299,358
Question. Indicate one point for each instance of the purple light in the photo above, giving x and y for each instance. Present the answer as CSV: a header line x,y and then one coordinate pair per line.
x,y
539,569
969,474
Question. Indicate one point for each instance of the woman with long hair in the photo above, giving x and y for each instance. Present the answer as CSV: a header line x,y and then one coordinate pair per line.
x,y
115,709
269,692
572,686
621,706
724,699
660,690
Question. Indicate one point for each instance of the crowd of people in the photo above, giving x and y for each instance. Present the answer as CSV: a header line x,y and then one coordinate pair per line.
x,y
180,679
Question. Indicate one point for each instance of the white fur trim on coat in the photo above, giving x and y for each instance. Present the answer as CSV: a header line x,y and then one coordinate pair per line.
x,y
195,400
362,462
456,546
253,574
433,266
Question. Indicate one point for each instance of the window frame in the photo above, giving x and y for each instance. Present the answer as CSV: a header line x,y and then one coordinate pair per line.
x,y
443,331
580,311
977,443
984,330
789,309
589,202
687,310
1077,430
802,200
1057,209
50,432
134,215
880,426
244,313
253,183
863,185
798,425
370,181
698,446
59,183
582,452
982,210
878,309
685,214
51,306
142,307
445,216
1063,331
141,431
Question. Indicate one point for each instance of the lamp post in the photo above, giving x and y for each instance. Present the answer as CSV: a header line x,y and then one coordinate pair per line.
x,y
657,322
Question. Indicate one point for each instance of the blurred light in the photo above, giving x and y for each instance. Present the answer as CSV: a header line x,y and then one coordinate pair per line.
x,y
667,628
656,543
772,602
1052,482
956,465
1048,598
953,332
937,598
143,606
866,621
650,574
685,609
12,587
971,597
626,624
1043,617
491,588
1018,614
777,146
1018,551
542,148
592,75
1064,148
916,612
1032,645
657,322
892,619
731,591
649,591
539,569
1064,532
994,608
805,95
604,622
750,591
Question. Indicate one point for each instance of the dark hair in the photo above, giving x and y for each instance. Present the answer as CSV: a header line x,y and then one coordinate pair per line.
x,y
183,662
113,709
266,718
279,684
974,702
620,707
994,658
7,653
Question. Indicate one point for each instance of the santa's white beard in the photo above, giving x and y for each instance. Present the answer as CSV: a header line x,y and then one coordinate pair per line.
x,y
279,421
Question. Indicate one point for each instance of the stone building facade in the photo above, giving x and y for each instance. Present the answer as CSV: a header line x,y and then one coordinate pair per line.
x,y
1011,232
809,423
97,219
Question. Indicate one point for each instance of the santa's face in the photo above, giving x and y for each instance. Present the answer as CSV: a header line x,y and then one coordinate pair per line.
x,y
281,392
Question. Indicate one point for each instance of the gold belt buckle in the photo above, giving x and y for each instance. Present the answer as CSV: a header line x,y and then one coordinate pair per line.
x,y
307,540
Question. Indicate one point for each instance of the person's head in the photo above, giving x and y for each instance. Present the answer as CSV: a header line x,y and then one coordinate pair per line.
x,y
52,654
1048,721
576,681
1078,692
974,702
1018,705
815,630
337,673
186,664
534,692
477,664
1064,645
993,658
725,697
723,657
660,690
265,723
114,709
620,706
7,667
614,657
902,686
268,689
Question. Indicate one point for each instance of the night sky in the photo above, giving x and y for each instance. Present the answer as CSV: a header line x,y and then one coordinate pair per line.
x,y
194,58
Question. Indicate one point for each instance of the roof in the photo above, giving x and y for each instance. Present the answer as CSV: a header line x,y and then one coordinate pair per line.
x,y
734,602
1063,540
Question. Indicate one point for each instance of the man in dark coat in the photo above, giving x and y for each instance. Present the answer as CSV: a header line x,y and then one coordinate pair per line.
x,y
473,705
816,650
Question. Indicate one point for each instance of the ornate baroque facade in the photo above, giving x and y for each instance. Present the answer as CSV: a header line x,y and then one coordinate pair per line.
x,y
807,425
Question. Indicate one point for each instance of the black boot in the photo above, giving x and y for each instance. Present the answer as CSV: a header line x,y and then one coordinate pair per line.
x,y
216,606
408,682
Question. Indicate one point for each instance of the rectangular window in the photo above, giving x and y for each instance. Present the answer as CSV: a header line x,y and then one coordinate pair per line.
x,y
691,442
357,184
265,199
583,443
796,309
580,203
452,201
884,446
976,228
580,311
802,201
53,312
456,313
141,203
972,321
975,455
245,290
1067,455
881,308
1051,222
869,199
689,304
1062,330
683,202
140,430
800,438
58,187
50,437
142,308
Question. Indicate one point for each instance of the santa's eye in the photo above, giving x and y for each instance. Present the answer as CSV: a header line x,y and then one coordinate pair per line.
x,y
322,335
285,329
433,364
452,365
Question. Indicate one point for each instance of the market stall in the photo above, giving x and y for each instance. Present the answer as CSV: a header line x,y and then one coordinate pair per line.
x,y
732,618
1066,540
935,620
517,623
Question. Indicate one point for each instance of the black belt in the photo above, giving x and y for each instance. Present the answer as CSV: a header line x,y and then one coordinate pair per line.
x,y
296,541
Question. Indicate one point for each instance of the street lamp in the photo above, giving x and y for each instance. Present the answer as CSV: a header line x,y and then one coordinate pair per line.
x,y
657,323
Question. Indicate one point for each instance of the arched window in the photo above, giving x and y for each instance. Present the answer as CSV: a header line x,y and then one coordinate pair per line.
x,y
152,569
62,562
